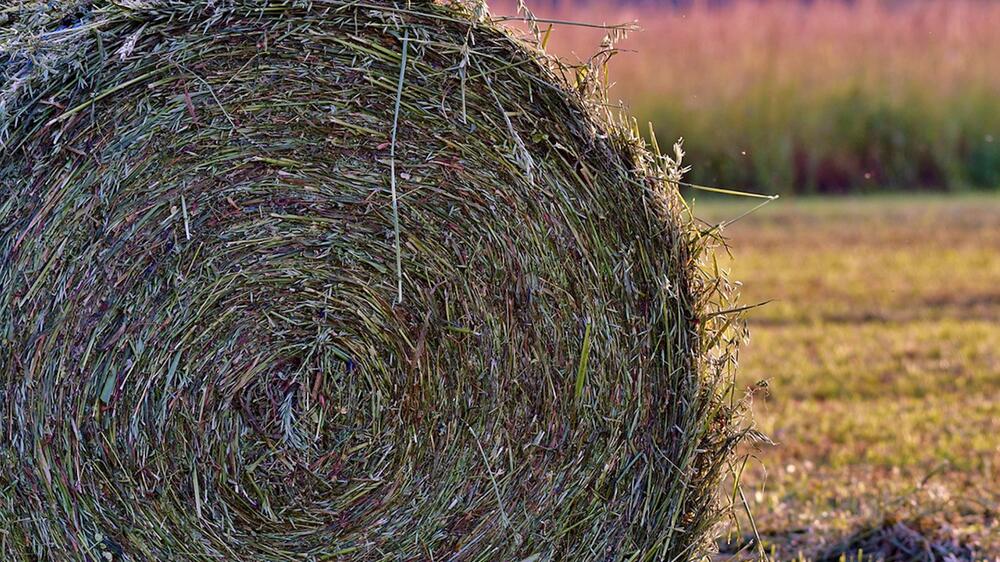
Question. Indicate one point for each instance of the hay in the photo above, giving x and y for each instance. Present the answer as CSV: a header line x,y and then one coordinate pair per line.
x,y
901,541
247,316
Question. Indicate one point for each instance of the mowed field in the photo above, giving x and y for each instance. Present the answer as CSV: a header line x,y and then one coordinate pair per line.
x,y
881,350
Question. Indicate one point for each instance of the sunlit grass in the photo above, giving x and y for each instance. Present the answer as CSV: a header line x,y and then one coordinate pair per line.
x,y
882,354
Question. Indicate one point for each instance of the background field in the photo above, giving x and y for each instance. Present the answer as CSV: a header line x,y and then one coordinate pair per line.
x,y
882,353
804,97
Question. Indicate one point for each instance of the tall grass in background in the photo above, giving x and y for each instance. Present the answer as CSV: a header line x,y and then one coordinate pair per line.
x,y
826,96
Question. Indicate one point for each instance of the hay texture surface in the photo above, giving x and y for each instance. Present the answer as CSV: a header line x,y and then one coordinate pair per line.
x,y
334,280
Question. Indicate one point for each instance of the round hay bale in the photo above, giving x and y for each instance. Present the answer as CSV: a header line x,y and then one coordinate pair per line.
x,y
339,280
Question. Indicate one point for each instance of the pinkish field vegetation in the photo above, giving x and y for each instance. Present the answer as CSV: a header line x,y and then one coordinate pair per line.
x,y
828,96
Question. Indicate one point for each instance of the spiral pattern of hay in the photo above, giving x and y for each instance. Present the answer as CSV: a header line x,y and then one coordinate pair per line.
x,y
339,280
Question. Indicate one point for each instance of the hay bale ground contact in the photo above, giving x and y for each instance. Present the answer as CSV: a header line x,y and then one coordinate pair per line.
x,y
340,280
